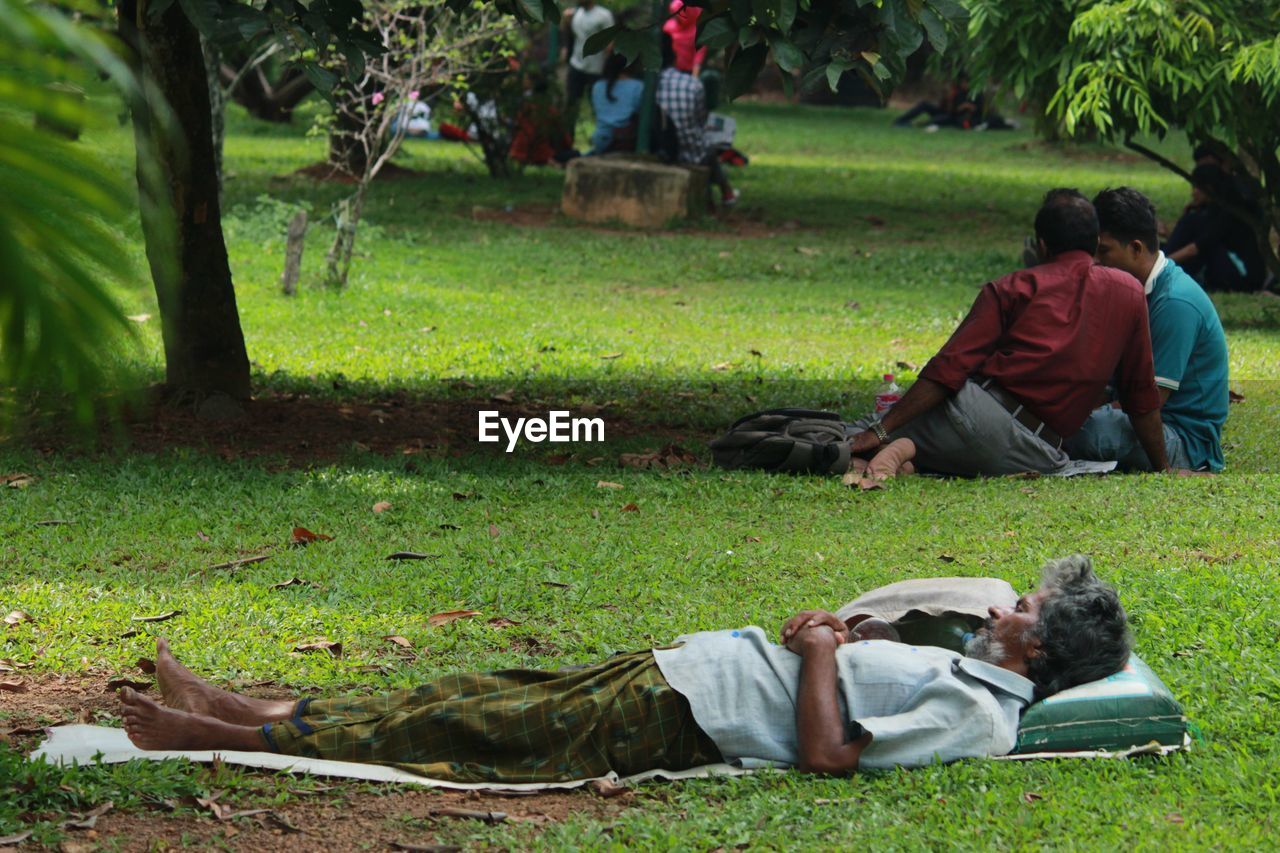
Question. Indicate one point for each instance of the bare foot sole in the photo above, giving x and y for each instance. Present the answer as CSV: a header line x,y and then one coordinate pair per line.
x,y
154,727
183,690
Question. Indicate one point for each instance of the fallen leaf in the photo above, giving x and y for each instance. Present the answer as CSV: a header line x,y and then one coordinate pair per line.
x,y
291,582
17,838
117,683
1174,817
559,584
606,484
13,686
52,522
853,305
411,555
132,632
946,558
382,506
139,318
438,619
874,221
399,641
202,536
462,496
494,531
501,622
86,716
504,397
609,355
752,539
808,250
724,365
448,526
322,645
631,507
162,617
243,561
908,365
1235,397
17,617
303,536
411,847
147,665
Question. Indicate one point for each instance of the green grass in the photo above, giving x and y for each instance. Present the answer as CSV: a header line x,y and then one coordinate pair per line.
x,y
534,309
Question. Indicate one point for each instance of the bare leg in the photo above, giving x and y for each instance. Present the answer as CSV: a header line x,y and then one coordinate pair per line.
x,y
893,460
185,691
152,726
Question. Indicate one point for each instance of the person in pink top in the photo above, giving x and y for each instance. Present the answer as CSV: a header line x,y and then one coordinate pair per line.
x,y
682,26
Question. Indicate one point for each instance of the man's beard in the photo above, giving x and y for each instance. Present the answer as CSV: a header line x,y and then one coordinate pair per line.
x,y
985,647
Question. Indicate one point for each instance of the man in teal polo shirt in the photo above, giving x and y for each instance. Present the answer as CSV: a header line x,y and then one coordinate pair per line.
x,y
1187,342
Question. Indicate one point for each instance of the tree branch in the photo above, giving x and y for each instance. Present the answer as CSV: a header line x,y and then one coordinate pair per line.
x,y
1159,158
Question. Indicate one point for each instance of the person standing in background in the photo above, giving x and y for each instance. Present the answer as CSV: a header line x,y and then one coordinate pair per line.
x,y
585,20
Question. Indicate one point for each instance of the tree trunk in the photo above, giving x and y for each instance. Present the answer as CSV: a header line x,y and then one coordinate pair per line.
x,y
203,345
217,104
346,149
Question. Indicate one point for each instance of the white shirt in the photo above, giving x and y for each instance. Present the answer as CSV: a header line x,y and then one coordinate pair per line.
x,y
920,703
585,23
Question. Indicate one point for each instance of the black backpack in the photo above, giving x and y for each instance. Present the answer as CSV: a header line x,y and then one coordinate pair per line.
x,y
796,441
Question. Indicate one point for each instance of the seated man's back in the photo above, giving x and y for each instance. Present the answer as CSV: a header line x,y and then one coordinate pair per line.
x,y
1053,336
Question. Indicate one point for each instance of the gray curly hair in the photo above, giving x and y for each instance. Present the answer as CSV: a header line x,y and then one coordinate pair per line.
x,y
1082,628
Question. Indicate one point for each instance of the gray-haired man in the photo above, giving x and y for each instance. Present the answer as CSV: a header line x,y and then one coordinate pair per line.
x,y
820,702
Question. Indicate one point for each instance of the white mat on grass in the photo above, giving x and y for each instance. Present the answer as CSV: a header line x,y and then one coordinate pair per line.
x,y
81,744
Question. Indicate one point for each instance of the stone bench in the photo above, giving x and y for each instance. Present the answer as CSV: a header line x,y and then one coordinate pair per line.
x,y
633,190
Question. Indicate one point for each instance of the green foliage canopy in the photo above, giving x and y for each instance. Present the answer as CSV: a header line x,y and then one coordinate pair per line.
x,y
58,240
1116,70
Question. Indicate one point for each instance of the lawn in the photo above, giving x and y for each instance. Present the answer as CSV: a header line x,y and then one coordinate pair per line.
x,y
857,247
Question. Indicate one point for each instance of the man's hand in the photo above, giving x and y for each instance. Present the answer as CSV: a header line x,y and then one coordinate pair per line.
x,y
812,619
864,442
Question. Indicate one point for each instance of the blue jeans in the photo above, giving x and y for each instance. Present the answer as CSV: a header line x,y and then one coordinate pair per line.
x,y
1108,435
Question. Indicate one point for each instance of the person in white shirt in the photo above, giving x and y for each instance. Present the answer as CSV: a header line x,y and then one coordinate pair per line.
x,y
824,701
585,20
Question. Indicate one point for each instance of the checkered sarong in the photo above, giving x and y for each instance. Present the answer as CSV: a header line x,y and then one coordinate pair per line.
x,y
511,726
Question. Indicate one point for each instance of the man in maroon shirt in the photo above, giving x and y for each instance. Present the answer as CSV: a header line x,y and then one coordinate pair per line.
x,y
1032,359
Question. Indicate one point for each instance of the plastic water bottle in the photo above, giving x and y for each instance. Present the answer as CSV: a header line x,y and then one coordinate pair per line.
x,y
889,394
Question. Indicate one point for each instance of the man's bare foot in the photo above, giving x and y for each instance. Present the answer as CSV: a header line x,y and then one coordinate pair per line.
x,y
183,690
153,726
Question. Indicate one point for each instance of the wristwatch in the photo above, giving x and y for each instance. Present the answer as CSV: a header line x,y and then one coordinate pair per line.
x,y
878,428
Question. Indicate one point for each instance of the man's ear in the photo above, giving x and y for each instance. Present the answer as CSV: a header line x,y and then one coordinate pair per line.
x,y
1031,649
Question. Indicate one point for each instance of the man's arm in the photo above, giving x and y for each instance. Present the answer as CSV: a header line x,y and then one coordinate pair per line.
x,y
819,726
1150,432
922,396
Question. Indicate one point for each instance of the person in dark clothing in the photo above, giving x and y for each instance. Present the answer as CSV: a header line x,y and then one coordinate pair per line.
x,y
1211,240
963,107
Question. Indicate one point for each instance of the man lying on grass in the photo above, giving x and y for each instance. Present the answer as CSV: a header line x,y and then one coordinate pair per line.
x,y
822,703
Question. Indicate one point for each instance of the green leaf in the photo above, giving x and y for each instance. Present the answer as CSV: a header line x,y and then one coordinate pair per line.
x,y
787,55
531,9
201,14
741,12
935,29
786,16
836,70
717,33
322,78
598,41
744,69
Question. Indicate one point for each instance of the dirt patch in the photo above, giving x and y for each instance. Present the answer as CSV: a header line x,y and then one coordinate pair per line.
x,y
342,819
739,224
298,430
324,171
336,815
